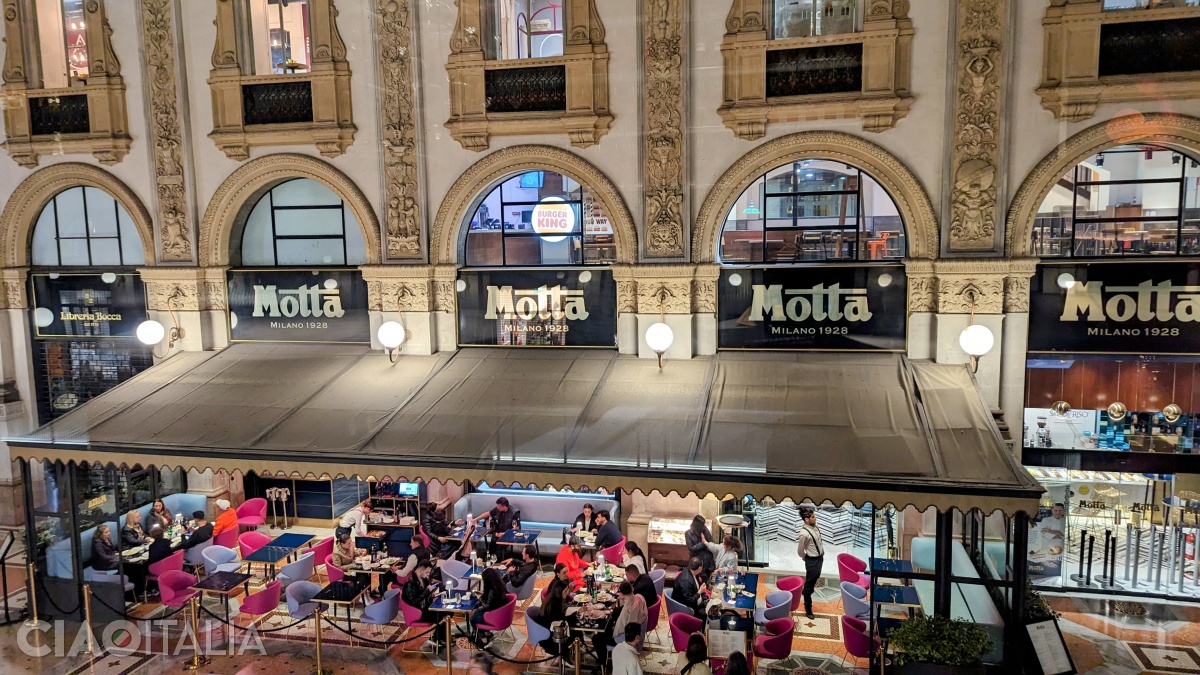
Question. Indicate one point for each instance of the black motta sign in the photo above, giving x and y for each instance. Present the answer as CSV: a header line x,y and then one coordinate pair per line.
x,y
109,304
537,308
298,306
1135,308
813,308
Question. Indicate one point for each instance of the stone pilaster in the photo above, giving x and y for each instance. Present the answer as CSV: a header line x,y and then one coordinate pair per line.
x,y
663,122
647,294
192,299
403,293
399,116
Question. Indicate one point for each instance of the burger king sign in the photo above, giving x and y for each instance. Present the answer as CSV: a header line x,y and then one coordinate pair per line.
x,y
553,219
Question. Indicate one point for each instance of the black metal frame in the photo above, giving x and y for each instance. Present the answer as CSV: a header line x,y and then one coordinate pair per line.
x,y
87,229
276,237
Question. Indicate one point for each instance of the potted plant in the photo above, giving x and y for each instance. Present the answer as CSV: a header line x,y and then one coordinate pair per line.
x,y
1036,607
933,645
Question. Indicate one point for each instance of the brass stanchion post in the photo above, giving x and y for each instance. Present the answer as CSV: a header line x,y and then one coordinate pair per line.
x,y
198,660
32,620
87,619
319,670
575,651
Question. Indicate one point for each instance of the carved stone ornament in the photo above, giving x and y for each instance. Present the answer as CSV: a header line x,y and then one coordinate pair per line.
x,y
399,288
398,115
922,286
962,295
212,295
626,296
977,126
445,279
166,136
12,289
663,127
1016,294
158,292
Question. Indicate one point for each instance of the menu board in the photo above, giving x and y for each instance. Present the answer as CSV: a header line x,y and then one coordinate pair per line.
x,y
1116,308
722,643
836,308
288,305
1050,648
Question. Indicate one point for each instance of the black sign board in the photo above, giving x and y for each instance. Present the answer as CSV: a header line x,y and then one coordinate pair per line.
x,y
1134,308
288,305
65,305
537,308
813,308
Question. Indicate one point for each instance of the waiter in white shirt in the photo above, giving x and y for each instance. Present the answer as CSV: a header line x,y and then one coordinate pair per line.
x,y
812,551
354,521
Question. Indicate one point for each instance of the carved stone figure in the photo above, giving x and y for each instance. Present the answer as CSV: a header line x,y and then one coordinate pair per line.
x,y
974,197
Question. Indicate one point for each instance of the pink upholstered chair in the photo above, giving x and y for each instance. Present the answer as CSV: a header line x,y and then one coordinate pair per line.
x,y
173,562
175,588
332,570
228,539
652,617
499,620
263,602
682,627
613,553
855,639
321,551
412,621
847,571
250,542
424,537
795,586
777,642
252,513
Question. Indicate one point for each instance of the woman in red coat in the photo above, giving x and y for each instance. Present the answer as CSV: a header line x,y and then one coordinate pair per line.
x,y
569,556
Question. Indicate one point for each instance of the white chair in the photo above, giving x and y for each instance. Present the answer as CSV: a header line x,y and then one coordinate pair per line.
x,y
194,557
299,570
854,601
659,577
525,591
456,570
220,559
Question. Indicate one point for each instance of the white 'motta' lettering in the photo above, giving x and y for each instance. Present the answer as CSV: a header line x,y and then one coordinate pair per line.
x,y
306,301
554,302
1147,301
818,303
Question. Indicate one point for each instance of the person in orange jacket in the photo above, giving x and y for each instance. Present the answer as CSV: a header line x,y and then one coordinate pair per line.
x,y
227,519
569,555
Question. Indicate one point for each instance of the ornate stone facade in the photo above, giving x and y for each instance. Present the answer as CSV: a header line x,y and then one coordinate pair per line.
x,y
398,113
189,289
976,139
166,133
12,288
663,129
671,289
399,288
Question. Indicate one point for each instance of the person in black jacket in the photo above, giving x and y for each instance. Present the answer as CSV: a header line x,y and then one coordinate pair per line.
x,y
554,604
160,546
608,534
202,532
697,538
104,554
519,571
493,597
689,589
131,534
420,593
586,521
642,584
437,527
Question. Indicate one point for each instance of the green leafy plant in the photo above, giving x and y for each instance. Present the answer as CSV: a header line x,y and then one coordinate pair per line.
x,y
1036,607
940,641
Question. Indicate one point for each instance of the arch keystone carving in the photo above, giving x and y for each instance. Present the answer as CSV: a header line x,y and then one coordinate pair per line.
x,y
911,199
473,185
240,192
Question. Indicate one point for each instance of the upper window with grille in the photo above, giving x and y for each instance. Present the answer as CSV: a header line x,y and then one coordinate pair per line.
x,y
301,223
813,210
539,218
1129,200
86,227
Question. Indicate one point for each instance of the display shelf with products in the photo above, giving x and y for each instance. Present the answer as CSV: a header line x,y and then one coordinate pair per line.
x,y
666,542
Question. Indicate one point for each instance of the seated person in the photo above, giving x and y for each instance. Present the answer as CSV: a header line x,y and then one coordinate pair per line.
x,y
626,659
131,534
344,552
493,597
202,531
420,592
160,546
608,534
690,590
632,555
554,605
694,661
159,516
642,584
725,554
104,554
519,571
227,518
501,518
568,556
438,528
586,521
632,610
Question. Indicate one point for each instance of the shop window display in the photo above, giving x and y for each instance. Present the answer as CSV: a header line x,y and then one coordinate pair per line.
x,y
813,210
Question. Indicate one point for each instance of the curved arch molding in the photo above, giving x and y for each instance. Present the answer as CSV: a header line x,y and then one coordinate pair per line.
x,y
31,196
473,184
1167,129
241,190
911,199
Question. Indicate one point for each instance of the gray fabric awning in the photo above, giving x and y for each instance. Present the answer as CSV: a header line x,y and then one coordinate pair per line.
x,y
837,427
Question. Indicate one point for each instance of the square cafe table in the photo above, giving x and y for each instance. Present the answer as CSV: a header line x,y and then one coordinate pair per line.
x,y
292,540
742,603
269,557
893,565
222,584
901,596
345,592
520,538
464,603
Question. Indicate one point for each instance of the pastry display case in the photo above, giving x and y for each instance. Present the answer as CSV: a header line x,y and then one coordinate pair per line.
x,y
665,541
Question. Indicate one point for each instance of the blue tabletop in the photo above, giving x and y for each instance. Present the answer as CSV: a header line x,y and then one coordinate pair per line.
x,y
465,603
893,565
750,582
458,532
896,595
269,554
291,540
518,537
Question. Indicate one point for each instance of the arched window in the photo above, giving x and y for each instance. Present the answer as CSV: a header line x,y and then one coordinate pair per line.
x,y
85,227
301,223
813,210
539,218
1129,200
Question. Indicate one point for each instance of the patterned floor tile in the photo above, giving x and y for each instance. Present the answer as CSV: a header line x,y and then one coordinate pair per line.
x,y
1166,658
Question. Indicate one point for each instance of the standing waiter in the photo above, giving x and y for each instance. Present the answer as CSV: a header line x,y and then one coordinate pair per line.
x,y
812,551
